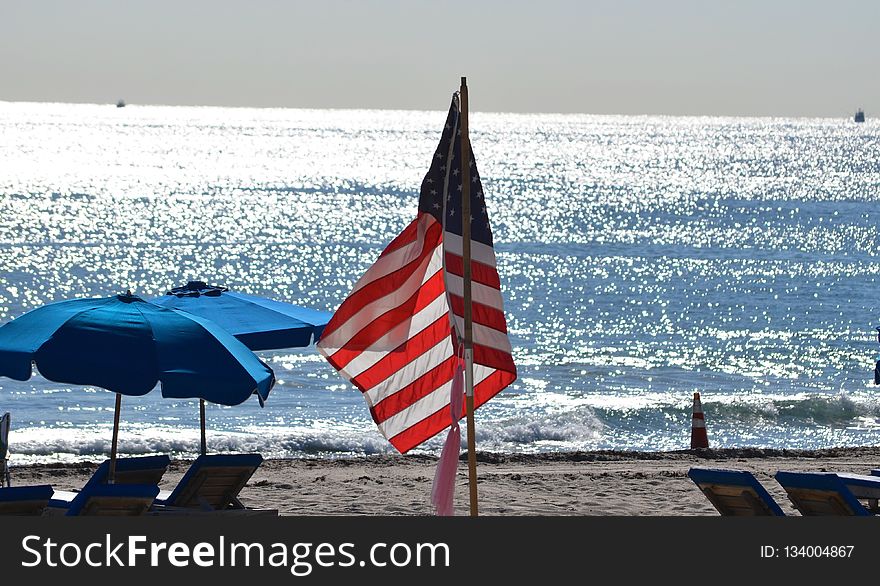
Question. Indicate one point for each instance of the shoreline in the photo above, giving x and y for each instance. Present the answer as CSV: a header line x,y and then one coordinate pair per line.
x,y
617,483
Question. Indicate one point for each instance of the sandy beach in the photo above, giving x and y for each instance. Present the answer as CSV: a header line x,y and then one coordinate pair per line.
x,y
578,483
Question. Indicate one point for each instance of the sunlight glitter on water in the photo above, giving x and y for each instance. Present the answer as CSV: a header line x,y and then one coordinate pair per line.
x,y
642,259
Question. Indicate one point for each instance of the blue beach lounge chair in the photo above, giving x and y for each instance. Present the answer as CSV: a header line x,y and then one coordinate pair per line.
x,y
211,485
821,493
25,500
735,493
863,487
113,500
140,470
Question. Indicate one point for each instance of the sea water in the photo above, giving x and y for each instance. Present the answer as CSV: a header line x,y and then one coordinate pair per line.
x,y
642,259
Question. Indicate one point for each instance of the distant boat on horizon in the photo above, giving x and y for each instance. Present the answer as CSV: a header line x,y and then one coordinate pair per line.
x,y
120,104
860,116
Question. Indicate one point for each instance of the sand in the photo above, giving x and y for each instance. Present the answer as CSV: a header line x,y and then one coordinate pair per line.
x,y
579,483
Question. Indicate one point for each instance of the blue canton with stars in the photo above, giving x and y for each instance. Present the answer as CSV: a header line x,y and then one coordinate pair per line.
x,y
432,196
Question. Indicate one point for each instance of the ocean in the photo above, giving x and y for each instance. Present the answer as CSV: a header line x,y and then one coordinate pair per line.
x,y
642,259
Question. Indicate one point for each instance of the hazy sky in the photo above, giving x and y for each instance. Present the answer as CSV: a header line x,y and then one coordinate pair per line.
x,y
785,58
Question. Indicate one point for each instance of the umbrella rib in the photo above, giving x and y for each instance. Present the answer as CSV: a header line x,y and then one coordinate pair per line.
x,y
155,342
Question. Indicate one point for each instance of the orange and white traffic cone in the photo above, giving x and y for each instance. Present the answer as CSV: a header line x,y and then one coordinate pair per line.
x,y
699,439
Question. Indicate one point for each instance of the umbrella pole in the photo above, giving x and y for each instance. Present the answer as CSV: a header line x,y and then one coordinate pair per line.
x,y
111,476
202,418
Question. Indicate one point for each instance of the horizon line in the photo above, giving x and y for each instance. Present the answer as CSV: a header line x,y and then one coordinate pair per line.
x,y
415,109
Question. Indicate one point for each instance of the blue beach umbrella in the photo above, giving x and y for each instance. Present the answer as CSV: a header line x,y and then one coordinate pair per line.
x,y
127,345
258,322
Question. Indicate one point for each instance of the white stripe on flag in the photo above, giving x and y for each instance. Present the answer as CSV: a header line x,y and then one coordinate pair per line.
x,y
479,293
479,252
486,336
397,336
409,373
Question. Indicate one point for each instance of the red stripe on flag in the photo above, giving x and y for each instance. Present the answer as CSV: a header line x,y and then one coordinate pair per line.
x,y
421,431
480,273
419,388
491,386
481,314
405,353
493,358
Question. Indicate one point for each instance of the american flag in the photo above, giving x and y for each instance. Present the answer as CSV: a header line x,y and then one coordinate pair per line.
x,y
397,336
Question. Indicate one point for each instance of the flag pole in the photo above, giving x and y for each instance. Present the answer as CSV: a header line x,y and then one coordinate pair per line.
x,y
468,317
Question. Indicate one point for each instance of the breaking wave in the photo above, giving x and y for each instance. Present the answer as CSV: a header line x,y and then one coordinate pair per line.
x,y
808,421
807,410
